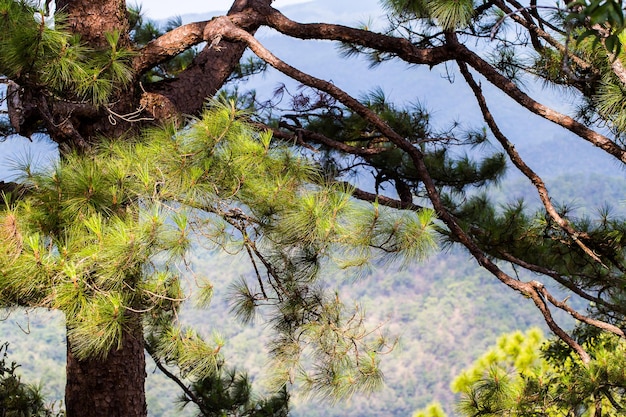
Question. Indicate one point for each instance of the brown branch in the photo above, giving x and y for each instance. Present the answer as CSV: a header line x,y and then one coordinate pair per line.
x,y
209,70
537,295
519,163
382,200
408,52
403,48
157,361
558,278
168,46
592,322
417,158
304,134
509,88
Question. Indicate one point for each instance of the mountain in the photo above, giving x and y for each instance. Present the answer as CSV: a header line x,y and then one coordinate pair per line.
x,y
446,311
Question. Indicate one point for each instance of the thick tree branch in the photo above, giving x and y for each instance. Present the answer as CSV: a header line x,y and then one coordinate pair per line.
x,y
403,48
188,93
525,288
383,200
168,46
508,87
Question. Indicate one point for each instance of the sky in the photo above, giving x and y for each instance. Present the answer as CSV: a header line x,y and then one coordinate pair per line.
x,y
162,9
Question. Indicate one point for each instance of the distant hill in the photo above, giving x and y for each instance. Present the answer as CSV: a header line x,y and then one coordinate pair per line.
x,y
447,311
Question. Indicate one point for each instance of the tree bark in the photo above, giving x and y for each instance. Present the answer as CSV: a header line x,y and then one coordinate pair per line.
x,y
95,18
113,386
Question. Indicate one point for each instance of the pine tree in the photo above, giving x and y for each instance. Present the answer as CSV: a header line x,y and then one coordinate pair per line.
x,y
89,74
18,398
525,375
102,237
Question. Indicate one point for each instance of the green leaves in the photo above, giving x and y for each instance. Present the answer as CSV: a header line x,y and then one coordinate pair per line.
x,y
102,235
452,14
525,375
449,14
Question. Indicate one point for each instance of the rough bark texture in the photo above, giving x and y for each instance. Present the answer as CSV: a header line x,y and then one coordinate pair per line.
x,y
94,18
111,387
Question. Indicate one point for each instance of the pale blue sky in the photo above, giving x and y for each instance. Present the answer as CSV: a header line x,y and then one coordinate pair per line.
x,y
161,9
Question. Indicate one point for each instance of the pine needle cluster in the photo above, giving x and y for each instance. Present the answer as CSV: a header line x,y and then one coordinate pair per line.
x,y
525,375
38,51
103,235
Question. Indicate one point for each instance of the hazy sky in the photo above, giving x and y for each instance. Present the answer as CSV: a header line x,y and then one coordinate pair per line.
x,y
161,9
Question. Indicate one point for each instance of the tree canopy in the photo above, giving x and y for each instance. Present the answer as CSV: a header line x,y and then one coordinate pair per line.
x,y
95,71
526,375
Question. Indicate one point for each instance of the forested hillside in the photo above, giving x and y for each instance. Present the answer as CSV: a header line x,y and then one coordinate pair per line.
x,y
444,311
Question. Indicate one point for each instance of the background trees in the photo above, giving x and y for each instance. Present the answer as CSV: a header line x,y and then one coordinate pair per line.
x,y
525,375
491,42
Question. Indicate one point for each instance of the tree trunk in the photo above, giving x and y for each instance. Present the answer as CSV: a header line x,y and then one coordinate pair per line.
x,y
110,387
114,386
95,18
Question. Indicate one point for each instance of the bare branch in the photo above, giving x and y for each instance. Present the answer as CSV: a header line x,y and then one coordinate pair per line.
x,y
519,163
537,295
596,323
508,87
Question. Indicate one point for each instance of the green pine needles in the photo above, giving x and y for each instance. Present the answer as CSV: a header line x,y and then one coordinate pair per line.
x,y
103,236
38,52
449,14
524,375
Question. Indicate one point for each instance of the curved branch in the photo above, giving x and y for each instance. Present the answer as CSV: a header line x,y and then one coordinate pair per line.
x,y
209,70
168,46
507,86
403,48
157,361
526,288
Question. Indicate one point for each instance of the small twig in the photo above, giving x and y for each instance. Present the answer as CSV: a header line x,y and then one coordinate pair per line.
x,y
132,117
500,21
171,376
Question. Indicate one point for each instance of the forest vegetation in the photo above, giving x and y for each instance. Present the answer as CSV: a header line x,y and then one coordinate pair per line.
x,y
103,235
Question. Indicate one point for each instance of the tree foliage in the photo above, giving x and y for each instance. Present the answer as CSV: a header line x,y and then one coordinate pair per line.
x,y
527,375
102,235
18,398
82,82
